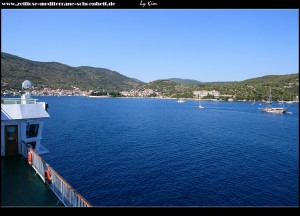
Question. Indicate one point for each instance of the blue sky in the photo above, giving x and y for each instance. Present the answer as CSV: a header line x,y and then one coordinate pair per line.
x,y
205,45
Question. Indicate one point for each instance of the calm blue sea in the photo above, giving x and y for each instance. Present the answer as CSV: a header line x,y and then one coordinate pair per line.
x,y
153,152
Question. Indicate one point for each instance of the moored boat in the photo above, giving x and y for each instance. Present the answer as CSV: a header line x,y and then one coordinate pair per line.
x,y
180,100
279,110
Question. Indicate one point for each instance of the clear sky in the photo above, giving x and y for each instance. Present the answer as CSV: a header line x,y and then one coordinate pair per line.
x,y
205,45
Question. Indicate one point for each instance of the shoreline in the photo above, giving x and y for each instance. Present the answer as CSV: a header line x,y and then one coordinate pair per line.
x,y
105,96
192,99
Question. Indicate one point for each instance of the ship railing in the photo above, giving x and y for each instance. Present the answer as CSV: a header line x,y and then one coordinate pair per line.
x,y
18,101
24,148
61,188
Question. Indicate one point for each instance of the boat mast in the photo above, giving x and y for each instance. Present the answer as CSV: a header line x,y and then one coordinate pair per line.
x,y
270,97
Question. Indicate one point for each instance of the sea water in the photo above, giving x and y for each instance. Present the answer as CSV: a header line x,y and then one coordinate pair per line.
x,y
157,152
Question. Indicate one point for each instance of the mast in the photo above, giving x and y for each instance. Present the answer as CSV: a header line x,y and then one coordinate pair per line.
x,y
270,97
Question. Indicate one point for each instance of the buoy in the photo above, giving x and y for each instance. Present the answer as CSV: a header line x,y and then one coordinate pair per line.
x,y
29,157
48,178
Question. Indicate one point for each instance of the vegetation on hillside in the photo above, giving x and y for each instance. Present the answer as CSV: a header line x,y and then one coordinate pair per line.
x,y
14,70
283,87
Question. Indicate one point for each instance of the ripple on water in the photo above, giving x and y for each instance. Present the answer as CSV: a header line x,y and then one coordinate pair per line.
x,y
147,152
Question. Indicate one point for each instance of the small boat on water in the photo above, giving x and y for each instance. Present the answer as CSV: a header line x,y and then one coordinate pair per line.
x,y
180,100
269,109
280,110
200,105
290,101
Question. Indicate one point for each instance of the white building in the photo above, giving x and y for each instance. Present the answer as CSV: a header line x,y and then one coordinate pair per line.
x,y
204,93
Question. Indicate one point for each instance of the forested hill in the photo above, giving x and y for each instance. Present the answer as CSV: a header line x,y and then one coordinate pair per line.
x,y
14,70
284,87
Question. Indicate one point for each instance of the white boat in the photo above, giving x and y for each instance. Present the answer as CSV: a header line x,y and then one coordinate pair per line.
x,y
290,101
200,105
180,100
280,110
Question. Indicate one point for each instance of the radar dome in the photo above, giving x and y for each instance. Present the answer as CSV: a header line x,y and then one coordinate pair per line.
x,y
26,85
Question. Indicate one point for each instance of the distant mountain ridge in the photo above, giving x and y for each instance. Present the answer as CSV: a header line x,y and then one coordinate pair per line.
x,y
185,81
14,70
283,87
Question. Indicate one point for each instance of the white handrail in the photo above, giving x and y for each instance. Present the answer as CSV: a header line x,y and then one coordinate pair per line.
x,y
18,101
61,188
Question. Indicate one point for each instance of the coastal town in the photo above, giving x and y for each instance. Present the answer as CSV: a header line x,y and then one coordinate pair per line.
x,y
78,92
142,93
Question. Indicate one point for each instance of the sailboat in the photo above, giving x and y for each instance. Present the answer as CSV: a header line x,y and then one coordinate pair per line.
x,y
253,99
180,100
280,110
269,101
289,102
200,105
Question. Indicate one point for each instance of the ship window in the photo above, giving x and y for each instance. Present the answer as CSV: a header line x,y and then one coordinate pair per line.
x,y
32,130
32,144
11,133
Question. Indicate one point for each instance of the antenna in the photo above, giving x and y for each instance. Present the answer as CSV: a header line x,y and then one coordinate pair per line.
x,y
25,98
26,85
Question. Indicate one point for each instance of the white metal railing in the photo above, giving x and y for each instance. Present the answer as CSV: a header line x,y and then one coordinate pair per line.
x,y
61,188
24,150
18,101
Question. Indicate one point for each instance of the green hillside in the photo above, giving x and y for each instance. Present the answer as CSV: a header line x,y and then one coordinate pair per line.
x,y
171,89
284,87
14,70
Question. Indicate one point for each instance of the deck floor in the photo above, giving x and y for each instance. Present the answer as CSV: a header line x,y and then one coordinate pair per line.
x,y
22,187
